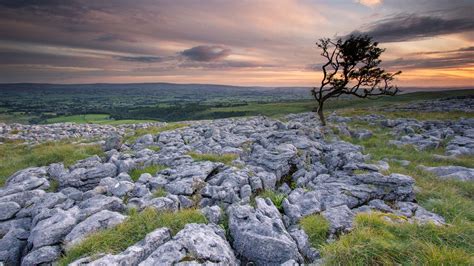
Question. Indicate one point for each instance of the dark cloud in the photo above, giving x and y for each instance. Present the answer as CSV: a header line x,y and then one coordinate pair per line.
x,y
206,53
29,3
409,27
224,64
113,38
142,59
444,59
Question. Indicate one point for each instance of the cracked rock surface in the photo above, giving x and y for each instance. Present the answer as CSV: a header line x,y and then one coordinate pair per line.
x,y
317,176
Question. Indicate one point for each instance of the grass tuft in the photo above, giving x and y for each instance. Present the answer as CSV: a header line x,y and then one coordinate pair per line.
x,y
16,156
221,158
317,229
275,197
132,230
159,192
152,169
376,241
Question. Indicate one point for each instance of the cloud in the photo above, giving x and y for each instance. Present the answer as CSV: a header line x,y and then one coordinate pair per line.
x,y
224,64
206,53
370,3
141,59
411,27
461,57
29,3
113,38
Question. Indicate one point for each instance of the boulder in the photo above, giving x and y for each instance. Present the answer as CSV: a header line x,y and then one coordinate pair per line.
x,y
132,255
43,255
340,219
259,235
213,214
99,221
196,243
51,231
8,210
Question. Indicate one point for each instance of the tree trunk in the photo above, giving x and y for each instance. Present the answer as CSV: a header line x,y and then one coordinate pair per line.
x,y
321,114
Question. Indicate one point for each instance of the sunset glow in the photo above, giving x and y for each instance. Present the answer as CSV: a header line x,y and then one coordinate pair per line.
x,y
265,43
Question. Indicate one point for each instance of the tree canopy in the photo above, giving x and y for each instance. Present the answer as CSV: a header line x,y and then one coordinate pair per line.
x,y
352,68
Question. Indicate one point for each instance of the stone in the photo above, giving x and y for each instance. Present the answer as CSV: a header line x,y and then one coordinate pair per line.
x,y
451,172
87,178
340,219
43,255
132,255
51,231
98,203
213,214
163,204
99,221
362,134
259,235
12,245
145,139
8,210
196,243
113,142
304,246
122,188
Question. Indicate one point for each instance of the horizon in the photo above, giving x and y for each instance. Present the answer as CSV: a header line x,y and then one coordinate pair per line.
x,y
426,88
249,43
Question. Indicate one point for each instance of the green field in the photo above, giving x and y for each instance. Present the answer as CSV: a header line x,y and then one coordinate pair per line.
x,y
132,103
93,119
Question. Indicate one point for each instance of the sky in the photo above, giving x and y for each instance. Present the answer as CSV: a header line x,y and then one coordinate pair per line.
x,y
245,42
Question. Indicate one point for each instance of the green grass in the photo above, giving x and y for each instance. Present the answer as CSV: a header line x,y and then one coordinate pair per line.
x,y
159,192
275,197
220,158
317,229
155,130
132,230
93,119
406,114
154,148
152,169
374,241
16,156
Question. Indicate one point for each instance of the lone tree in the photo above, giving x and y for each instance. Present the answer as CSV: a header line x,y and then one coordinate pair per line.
x,y
352,68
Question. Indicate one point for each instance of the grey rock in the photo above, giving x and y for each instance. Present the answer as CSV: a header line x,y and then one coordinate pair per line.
x,y
451,172
52,230
380,205
72,193
114,141
163,204
145,139
213,214
122,188
362,134
259,235
340,219
43,255
132,255
87,178
101,202
185,202
8,210
423,216
11,246
302,240
198,242
99,221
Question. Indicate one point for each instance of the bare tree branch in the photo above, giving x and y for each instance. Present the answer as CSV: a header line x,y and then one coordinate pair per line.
x,y
352,68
